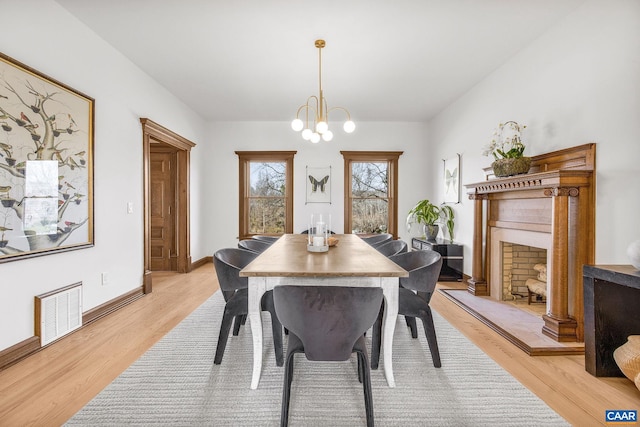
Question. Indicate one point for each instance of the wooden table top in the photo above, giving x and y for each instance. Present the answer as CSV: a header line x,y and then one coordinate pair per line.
x,y
351,257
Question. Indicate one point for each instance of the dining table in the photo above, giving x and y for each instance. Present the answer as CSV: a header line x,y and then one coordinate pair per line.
x,y
351,262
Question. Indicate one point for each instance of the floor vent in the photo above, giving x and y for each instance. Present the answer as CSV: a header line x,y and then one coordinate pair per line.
x,y
58,313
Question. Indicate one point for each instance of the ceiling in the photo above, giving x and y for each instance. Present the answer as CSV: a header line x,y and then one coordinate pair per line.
x,y
255,60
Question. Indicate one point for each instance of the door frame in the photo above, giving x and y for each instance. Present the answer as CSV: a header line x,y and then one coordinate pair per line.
x,y
153,133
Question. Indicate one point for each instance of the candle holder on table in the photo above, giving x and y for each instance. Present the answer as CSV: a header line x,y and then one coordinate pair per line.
x,y
318,234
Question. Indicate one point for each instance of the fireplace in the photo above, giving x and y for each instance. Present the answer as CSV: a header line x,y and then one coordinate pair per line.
x,y
551,208
523,272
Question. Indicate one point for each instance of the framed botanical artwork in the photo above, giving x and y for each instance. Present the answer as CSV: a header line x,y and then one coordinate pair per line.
x,y
452,179
318,184
46,164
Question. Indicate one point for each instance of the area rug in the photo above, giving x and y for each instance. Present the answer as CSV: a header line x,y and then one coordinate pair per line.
x,y
175,383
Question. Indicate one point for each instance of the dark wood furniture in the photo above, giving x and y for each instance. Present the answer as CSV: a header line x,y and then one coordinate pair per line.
x,y
611,306
452,257
554,206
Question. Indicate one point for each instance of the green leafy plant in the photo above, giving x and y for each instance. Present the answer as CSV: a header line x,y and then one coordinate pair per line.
x,y
447,216
424,212
429,214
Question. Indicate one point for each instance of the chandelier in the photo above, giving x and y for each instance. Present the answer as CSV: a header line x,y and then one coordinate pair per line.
x,y
316,112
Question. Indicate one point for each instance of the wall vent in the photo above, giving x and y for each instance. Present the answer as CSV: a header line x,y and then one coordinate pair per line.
x,y
58,313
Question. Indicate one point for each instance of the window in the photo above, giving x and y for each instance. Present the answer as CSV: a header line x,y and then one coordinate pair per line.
x,y
371,187
266,192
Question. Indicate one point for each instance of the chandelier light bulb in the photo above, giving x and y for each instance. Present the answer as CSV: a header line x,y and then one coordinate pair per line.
x,y
322,127
297,125
349,126
327,136
306,134
315,137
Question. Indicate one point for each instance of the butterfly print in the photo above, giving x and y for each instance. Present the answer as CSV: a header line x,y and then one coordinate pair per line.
x,y
318,183
451,179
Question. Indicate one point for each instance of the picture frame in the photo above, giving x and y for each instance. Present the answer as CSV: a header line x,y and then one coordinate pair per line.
x,y
46,164
451,179
318,184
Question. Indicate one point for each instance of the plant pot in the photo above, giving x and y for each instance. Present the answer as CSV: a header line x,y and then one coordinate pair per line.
x,y
510,167
3,243
431,231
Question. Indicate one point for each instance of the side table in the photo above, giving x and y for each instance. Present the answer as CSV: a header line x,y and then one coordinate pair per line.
x,y
452,256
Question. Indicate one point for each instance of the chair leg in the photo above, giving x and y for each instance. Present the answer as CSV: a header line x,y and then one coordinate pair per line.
x,y
276,330
376,339
276,327
286,390
236,325
430,332
366,386
227,319
411,323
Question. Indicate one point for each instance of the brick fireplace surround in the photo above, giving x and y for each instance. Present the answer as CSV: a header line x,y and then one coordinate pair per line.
x,y
551,207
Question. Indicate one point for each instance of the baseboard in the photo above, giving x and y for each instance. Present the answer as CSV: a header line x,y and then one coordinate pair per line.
x,y
31,345
201,262
18,351
111,306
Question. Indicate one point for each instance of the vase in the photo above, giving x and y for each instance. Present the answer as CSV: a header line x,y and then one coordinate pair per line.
x,y
627,357
511,166
431,231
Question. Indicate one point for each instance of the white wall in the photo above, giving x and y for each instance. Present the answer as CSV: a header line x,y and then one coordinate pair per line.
x,y
222,172
44,36
578,83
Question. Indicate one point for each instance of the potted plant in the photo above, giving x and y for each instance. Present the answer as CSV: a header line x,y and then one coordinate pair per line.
x,y
508,150
429,215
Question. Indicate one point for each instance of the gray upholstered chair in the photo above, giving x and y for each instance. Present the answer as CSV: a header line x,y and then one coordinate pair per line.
x,y
378,239
392,247
228,262
413,300
266,239
327,323
253,245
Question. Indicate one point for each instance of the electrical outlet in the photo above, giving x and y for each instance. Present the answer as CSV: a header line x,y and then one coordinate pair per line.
x,y
105,279
130,207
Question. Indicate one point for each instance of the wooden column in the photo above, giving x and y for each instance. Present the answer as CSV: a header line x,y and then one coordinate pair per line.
x,y
558,325
477,285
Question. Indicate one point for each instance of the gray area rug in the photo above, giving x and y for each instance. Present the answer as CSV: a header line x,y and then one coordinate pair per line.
x,y
175,383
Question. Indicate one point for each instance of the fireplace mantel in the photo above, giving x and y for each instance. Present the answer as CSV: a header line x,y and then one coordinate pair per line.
x,y
557,197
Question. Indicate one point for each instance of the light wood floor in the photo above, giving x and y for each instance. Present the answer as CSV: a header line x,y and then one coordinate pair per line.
x,y
48,387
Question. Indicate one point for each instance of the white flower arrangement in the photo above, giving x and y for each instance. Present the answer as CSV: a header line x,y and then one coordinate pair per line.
x,y
506,142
